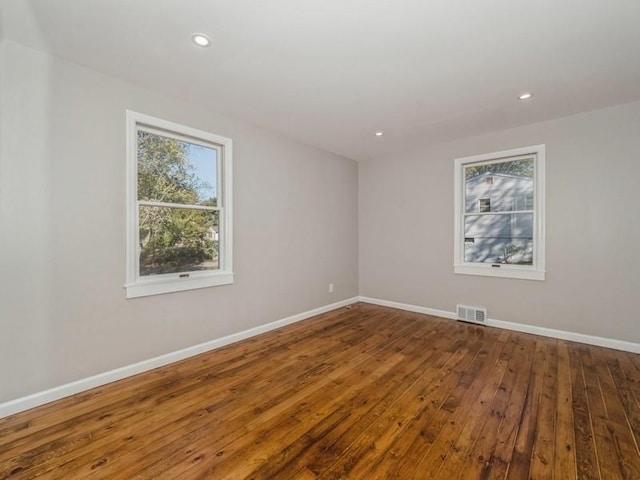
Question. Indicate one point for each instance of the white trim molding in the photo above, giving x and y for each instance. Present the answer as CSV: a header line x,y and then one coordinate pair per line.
x,y
518,327
40,398
409,308
564,335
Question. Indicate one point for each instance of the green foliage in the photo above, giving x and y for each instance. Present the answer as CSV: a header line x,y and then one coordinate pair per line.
x,y
172,239
523,168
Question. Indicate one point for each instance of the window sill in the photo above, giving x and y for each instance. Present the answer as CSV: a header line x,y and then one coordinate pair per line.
x,y
158,287
504,271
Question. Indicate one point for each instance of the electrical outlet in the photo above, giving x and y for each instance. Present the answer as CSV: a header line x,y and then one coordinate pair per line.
x,y
331,288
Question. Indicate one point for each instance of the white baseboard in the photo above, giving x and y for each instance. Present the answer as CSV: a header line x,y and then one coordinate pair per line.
x,y
56,393
564,335
518,327
409,308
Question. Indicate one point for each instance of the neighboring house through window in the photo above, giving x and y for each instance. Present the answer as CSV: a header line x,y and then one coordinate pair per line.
x,y
499,224
179,223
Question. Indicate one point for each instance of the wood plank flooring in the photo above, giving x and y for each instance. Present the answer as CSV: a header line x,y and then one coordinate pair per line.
x,y
365,392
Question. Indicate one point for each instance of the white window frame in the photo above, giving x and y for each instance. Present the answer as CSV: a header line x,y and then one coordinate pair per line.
x,y
138,286
527,272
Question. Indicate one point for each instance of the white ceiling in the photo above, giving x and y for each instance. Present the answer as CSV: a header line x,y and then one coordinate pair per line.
x,y
330,72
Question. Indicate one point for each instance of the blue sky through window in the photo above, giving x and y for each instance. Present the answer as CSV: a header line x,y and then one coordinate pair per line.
x,y
204,162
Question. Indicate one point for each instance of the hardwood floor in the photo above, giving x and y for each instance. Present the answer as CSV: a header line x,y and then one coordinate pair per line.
x,y
359,393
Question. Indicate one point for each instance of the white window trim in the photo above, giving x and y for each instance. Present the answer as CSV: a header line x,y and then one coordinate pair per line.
x,y
537,270
137,286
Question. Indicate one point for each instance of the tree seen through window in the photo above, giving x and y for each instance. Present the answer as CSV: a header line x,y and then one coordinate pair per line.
x,y
178,219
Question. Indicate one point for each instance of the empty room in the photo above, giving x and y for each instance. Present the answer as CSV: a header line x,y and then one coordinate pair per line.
x,y
319,239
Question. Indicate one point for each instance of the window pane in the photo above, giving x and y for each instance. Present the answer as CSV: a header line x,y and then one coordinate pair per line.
x,y
505,186
175,171
484,205
174,240
499,238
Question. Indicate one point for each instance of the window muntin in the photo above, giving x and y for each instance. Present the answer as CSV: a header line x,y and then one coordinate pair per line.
x,y
179,207
499,223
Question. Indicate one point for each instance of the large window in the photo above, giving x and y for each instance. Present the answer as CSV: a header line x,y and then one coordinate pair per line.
x,y
179,231
499,214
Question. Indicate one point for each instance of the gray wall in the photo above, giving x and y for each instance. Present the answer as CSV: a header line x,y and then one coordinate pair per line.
x,y
63,312
593,227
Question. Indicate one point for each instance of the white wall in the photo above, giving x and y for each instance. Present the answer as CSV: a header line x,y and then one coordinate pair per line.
x,y
63,312
593,228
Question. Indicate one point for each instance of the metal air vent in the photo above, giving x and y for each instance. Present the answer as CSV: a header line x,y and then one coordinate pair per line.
x,y
472,314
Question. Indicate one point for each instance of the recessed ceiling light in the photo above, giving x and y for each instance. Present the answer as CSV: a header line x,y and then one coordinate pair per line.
x,y
379,133
524,96
201,39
